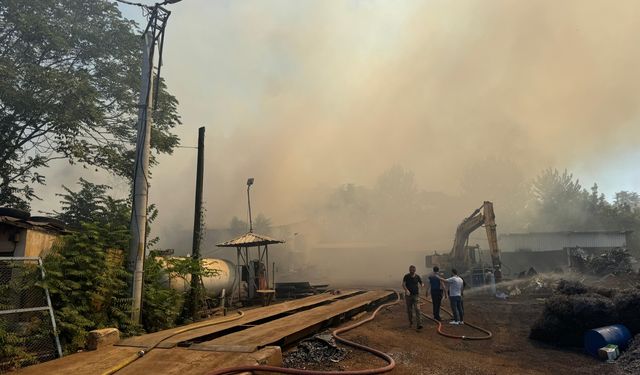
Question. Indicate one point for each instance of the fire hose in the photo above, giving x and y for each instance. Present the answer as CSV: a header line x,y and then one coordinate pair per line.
x,y
283,370
439,329
126,362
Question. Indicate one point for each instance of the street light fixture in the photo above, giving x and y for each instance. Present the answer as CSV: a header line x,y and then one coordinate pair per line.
x,y
249,183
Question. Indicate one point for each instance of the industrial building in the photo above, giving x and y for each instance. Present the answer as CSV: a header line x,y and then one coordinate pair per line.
x,y
547,251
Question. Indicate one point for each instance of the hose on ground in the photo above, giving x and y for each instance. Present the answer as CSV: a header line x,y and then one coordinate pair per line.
x,y
439,329
292,371
127,361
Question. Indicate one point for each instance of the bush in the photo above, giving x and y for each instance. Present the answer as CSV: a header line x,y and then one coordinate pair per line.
x,y
161,305
88,282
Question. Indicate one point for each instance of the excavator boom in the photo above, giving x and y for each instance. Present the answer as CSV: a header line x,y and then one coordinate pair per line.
x,y
459,257
492,235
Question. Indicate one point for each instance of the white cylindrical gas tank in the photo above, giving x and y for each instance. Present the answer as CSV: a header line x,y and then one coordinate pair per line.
x,y
224,277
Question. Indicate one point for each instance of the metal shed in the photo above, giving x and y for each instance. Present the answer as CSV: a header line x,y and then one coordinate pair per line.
x,y
253,277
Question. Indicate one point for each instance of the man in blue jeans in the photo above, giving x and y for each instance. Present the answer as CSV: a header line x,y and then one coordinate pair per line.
x,y
436,288
456,284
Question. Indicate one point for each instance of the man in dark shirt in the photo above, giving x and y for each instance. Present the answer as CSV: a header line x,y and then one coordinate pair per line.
x,y
411,284
437,292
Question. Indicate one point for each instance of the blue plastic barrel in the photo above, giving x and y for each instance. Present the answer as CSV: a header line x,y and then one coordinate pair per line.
x,y
596,338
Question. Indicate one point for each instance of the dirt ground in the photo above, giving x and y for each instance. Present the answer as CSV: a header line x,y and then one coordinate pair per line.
x,y
510,351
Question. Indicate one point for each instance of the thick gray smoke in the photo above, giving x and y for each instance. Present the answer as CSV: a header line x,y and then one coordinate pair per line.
x,y
474,97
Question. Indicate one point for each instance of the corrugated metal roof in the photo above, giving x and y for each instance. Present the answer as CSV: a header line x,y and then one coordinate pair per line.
x,y
567,232
560,240
250,240
28,224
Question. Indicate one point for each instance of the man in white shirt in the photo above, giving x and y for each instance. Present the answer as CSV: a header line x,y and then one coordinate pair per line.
x,y
455,284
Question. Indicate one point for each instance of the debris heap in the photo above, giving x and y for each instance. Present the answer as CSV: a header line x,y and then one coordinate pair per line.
x,y
629,361
319,349
576,308
615,261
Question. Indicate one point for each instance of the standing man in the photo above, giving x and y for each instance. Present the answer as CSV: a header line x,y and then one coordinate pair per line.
x,y
456,284
437,292
411,284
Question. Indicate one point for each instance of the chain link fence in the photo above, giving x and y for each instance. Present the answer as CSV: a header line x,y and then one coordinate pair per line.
x,y
27,323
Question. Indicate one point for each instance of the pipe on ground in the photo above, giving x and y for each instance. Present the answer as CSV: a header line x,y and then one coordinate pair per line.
x,y
292,371
439,329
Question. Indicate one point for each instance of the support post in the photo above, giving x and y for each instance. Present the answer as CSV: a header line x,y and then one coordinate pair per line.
x,y
137,247
197,224
266,265
249,203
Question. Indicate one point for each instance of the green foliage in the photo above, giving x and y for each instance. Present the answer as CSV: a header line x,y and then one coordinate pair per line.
x,y
161,305
561,203
69,85
92,204
88,282
12,348
184,267
22,290
86,273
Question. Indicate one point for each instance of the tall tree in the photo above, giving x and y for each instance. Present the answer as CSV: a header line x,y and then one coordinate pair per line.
x,y
69,82
238,227
262,224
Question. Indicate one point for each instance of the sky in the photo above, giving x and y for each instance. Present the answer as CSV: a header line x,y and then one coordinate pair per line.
x,y
305,95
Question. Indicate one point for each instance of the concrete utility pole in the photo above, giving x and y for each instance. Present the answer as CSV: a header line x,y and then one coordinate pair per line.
x,y
197,225
137,247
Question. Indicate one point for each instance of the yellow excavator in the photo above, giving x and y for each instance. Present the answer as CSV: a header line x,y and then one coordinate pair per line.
x,y
465,258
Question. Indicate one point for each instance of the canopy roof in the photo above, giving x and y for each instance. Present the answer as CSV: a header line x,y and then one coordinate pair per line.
x,y
250,240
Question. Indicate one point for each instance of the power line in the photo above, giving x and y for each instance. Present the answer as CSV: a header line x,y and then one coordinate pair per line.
x,y
131,3
148,6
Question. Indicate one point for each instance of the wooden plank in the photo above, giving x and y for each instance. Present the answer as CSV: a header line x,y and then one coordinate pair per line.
x,y
274,331
251,315
91,362
180,361
177,361
224,348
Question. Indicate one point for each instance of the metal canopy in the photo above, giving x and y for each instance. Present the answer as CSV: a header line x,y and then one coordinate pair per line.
x,y
250,240
257,280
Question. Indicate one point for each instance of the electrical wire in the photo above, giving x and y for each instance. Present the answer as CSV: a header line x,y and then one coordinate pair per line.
x,y
148,6
284,370
126,362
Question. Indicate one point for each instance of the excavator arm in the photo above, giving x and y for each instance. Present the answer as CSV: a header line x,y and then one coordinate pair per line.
x,y
492,236
481,216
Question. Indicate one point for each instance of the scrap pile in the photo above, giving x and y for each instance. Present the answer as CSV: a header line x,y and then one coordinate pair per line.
x,y
536,285
576,308
319,349
629,362
615,261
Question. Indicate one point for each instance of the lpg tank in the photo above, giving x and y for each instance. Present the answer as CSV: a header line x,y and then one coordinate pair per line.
x,y
224,277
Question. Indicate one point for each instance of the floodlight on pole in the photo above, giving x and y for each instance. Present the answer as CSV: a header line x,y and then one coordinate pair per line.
x,y
249,183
